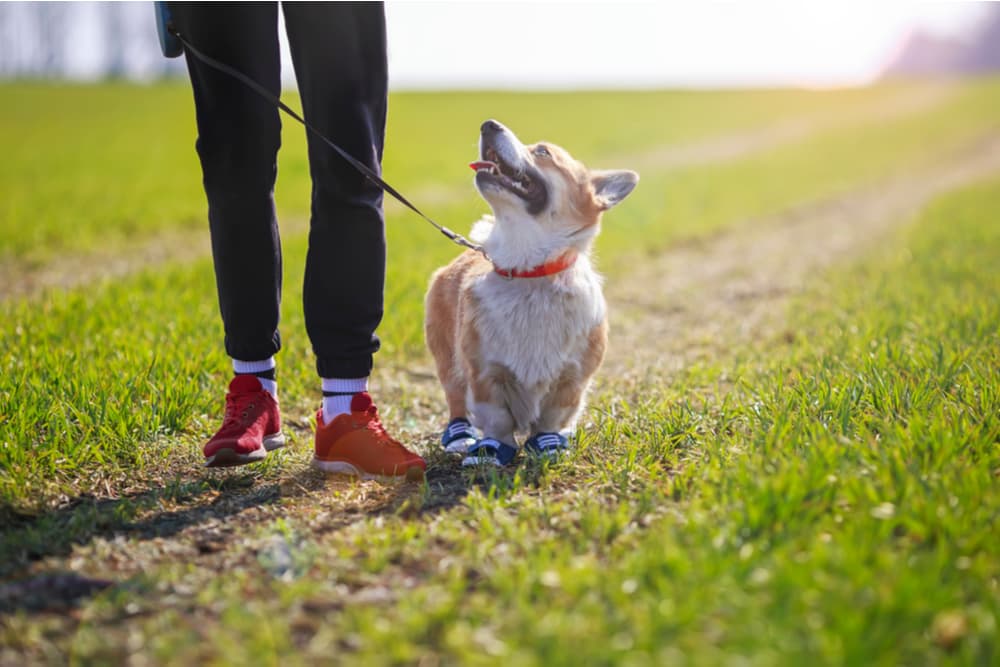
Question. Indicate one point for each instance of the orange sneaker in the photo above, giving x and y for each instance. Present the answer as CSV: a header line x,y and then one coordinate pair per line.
x,y
357,444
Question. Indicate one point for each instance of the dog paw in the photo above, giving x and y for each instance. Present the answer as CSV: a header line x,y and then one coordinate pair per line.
x,y
489,452
550,446
459,436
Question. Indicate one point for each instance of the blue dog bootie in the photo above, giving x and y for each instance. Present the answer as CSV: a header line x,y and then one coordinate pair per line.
x,y
550,446
489,452
459,435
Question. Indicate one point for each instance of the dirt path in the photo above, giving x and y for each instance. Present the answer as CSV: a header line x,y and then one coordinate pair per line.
x,y
738,145
702,297
74,269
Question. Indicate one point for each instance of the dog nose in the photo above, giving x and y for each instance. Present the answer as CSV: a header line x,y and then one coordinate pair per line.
x,y
491,127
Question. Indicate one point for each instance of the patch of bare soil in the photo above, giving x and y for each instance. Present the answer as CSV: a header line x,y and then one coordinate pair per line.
x,y
20,280
698,299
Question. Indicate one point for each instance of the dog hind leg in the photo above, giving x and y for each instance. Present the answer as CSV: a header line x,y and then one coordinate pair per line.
x,y
441,334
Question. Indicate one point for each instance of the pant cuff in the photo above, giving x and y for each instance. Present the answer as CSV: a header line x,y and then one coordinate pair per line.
x,y
344,368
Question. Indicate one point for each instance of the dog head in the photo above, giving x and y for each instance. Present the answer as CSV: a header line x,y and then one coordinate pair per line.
x,y
542,185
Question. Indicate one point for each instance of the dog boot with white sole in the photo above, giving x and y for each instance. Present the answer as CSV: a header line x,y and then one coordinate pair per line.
x,y
489,452
459,436
548,445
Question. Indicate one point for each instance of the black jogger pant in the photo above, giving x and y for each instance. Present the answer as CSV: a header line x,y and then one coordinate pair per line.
x,y
339,53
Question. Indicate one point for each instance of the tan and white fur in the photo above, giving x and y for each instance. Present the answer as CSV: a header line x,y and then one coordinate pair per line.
x,y
516,355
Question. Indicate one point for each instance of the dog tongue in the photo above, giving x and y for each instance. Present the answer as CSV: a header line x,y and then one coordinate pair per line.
x,y
482,164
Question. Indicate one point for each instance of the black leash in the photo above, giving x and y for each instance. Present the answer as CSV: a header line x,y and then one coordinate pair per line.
x,y
354,162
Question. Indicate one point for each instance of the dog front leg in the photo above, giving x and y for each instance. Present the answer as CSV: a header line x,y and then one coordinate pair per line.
x,y
504,404
562,406
486,381
564,402
494,420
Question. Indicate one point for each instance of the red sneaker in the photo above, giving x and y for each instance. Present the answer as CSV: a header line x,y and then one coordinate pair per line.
x,y
357,444
250,429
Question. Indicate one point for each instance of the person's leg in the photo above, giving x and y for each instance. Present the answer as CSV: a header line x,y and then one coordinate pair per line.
x,y
238,140
339,52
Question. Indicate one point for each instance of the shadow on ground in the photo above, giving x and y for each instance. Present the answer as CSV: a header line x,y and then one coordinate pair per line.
x,y
208,513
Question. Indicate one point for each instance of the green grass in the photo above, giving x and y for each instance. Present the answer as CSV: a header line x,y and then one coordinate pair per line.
x,y
95,373
838,504
103,372
90,167
696,201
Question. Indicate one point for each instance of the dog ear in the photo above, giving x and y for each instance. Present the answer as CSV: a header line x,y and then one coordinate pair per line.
x,y
610,187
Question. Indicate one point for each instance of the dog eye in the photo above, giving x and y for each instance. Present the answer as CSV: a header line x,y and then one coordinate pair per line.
x,y
541,151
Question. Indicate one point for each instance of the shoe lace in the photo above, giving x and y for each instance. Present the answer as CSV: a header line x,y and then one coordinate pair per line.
x,y
459,429
374,424
237,410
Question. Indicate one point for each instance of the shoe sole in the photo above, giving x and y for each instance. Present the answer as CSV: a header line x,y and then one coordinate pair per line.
x,y
227,458
413,473
460,446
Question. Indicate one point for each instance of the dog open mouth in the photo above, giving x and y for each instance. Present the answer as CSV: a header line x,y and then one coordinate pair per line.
x,y
526,183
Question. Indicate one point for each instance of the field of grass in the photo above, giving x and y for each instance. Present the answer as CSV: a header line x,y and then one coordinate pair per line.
x,y
83,384
126,156
834,500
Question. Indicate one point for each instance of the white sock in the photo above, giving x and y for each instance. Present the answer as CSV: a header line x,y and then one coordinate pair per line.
x,y
345,390
253,367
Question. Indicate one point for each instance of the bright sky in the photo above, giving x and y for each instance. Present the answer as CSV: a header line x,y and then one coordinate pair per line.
x,y
608,43
547,44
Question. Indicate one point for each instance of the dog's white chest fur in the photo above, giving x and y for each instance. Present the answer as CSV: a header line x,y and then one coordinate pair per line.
x,y
536,328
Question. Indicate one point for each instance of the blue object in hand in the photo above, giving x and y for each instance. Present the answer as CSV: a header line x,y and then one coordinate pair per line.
x,y
169,44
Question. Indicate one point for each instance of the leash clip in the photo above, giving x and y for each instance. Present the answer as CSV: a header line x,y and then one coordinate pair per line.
x,y
458,239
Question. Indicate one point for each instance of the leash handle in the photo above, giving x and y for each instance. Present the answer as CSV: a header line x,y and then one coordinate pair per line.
x,y
354,162
169,44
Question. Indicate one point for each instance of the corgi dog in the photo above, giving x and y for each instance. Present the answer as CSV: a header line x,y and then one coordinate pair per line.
x,y
517,337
